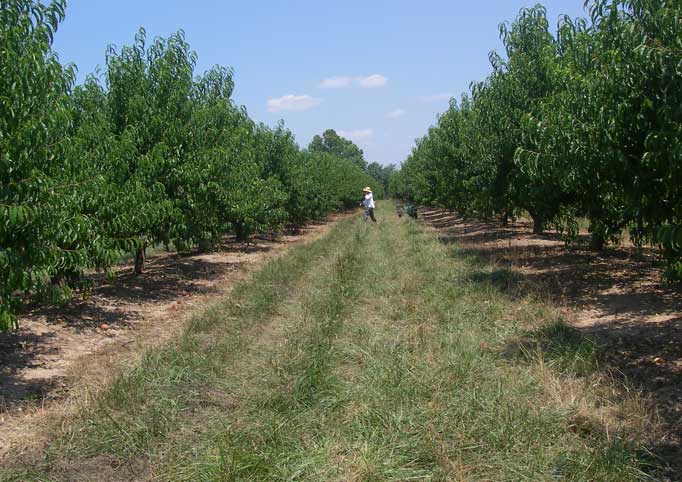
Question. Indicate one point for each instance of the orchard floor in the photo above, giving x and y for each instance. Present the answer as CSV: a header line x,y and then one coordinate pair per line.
x,y
62,352
371,353
616,297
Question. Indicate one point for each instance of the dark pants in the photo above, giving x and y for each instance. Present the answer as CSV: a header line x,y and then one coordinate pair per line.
x,y
369,213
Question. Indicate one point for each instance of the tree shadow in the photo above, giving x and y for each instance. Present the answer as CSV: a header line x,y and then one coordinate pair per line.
x,y
118,302
633,362
112,301
621,305
463,230
613,284
646,356
14,389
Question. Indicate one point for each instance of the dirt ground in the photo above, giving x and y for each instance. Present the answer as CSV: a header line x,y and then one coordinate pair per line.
x,y
616,296
61,356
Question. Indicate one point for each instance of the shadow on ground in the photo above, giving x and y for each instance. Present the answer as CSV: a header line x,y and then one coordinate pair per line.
x,y
46,331
165,279
21,350
617,300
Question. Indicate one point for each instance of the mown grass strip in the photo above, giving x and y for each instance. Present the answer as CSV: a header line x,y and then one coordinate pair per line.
x,y
293,395
125,430
412,381
375,355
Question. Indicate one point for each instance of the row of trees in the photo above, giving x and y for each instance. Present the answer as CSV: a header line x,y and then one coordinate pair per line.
x,y
581,122
148,154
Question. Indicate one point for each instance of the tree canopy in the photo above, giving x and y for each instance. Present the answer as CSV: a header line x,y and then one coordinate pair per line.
x,y
153,153
331,143
583,122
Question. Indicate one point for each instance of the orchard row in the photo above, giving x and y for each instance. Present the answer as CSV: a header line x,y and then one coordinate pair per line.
x,y
147,153
581,122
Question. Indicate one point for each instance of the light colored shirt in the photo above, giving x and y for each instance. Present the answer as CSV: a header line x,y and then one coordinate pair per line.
x,y
368,202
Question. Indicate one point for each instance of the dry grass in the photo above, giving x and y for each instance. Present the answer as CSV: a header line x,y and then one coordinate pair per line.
x,y
86,374
372,355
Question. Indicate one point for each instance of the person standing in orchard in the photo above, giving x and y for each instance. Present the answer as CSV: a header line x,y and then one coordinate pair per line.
x,y
368,204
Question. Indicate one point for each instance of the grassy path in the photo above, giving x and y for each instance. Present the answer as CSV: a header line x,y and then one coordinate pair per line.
x,y
370,355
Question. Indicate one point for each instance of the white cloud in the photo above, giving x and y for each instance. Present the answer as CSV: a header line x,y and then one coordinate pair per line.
x,y
345,81
394,114
292,103
337,82
357,135
436,97
375,80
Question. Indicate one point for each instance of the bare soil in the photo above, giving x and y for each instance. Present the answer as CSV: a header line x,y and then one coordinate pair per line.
x,y
61,356
617,297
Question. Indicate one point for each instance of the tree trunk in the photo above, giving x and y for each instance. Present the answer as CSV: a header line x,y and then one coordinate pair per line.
x,y
504,219
538,225
140,258
241,232
66,278
597,242
205,245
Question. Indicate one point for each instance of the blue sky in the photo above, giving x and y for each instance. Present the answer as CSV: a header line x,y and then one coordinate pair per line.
x,y
378,72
